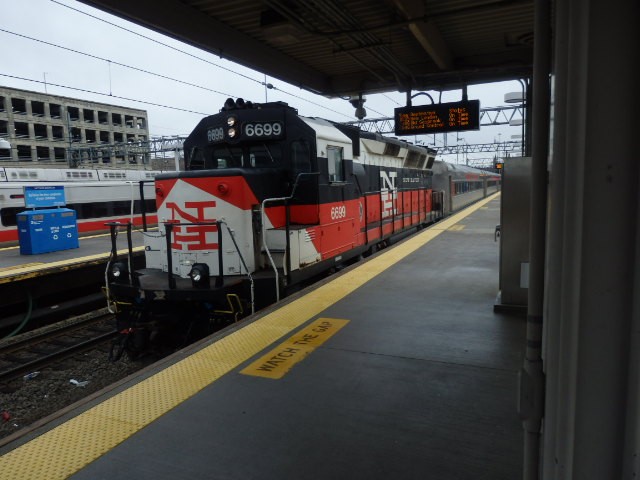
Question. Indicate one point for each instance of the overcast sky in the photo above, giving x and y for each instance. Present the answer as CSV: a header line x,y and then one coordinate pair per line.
x,y
61,22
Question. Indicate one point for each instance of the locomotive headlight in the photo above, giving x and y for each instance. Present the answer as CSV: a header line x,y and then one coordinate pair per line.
x,y
231,121
232,132
119,272
199,275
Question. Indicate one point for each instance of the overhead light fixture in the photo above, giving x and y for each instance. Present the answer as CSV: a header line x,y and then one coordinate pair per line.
x,y
513,97
358,104
277,30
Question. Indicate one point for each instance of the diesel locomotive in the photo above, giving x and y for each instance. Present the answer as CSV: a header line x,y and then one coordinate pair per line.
x,y
269,199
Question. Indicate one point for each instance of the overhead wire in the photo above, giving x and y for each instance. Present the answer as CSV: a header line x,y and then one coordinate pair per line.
x,y
156,41
115,63
104,94
201,59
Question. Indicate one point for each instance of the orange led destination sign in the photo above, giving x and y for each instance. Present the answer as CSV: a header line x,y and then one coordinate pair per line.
x,y
438,118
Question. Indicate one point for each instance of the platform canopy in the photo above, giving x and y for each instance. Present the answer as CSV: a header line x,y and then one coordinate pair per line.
x,y
347,47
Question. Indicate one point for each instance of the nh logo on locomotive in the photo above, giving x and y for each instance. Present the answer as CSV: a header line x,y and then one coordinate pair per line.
x,y
192,237
387,192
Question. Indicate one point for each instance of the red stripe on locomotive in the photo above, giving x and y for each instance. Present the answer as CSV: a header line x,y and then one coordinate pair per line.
x,y
233,190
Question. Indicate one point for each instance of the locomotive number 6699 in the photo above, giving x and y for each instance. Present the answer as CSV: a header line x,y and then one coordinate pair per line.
x,y
263,129
338,212
215,134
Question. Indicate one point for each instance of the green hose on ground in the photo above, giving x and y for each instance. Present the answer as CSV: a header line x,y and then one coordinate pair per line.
x,y
26,319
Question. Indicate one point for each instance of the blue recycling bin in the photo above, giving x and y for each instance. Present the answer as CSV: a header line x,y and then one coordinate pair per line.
x,y
42,231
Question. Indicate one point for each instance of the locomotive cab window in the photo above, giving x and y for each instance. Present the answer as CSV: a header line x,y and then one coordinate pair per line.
x,y
300,156
225,156
196,160
264,155
336,170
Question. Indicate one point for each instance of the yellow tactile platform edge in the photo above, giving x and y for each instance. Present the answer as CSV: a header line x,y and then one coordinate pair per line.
x,y
32,270
69,447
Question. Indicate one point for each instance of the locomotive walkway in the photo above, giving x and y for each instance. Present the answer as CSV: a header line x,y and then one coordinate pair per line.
x,y
396,368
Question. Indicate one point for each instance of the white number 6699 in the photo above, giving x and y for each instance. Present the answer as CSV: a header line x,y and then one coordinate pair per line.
x,y
338,212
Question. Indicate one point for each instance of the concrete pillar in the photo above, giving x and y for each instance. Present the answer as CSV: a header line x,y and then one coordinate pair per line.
x,y
592,324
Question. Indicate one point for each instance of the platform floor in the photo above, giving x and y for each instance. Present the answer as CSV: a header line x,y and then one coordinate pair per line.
x,y
397,368
91,248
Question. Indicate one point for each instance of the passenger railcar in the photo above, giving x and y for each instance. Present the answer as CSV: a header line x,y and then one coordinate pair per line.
x,y
269,199
97,195
462,185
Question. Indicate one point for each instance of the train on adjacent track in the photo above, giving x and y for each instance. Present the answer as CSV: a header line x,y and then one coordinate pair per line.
x,y
268,200
96,195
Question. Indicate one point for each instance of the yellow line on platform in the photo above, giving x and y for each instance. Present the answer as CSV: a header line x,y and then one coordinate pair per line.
x,y
71,446
32,270
22,265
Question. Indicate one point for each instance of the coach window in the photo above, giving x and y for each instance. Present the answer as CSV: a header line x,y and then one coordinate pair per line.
x,y
300,156
334,156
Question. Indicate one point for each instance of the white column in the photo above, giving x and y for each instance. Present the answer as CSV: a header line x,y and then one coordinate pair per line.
x,y
592,324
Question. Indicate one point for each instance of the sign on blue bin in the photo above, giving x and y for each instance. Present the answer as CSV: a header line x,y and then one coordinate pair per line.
x,y
44,196
42,231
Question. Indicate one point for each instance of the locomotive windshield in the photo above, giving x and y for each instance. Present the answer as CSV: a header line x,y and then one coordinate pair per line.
x,y
212,157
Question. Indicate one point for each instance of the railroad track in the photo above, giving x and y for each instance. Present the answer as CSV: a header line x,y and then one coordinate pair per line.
x,y
38,349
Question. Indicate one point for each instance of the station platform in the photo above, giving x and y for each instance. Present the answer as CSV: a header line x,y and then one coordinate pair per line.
x,y
93,248
395,368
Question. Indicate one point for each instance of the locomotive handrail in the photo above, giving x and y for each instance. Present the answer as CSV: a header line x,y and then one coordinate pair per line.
x,y
220,277
381,210
264,232
113,256
233,239
393,210
264,241
169,227
143,206
114,248
295,184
